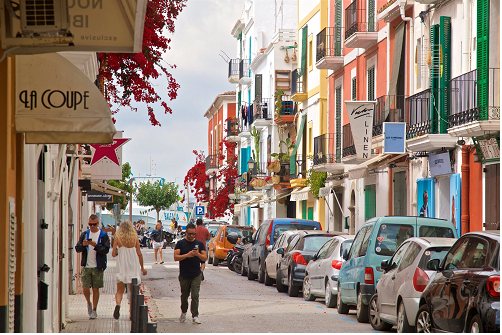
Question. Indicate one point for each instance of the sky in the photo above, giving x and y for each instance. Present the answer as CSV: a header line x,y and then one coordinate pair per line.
x,y
203,29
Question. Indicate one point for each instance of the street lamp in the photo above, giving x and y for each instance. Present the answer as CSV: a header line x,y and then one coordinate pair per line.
x,y
251,166
206,183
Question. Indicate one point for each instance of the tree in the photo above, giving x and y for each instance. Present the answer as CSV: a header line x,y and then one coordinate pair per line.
x,y
196,177
128,76
124,185
157,196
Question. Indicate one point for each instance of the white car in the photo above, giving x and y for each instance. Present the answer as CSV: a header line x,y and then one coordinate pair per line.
x,y
273,258
321,274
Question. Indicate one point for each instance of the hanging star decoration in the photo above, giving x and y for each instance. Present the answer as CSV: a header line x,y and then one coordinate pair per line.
x,y
108,150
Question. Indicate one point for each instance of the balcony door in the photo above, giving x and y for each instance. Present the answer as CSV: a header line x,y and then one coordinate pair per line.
x,y
492,197
400,195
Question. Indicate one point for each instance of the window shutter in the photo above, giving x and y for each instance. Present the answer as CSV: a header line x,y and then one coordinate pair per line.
x,y
338,123
304,209
338,28
371,15
354,86
434,75
304,51
371,84
444,81
369,201
257,86
482,54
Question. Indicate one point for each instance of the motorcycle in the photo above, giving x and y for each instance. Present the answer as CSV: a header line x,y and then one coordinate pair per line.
x,y
236,260
177,237
145,240
168,239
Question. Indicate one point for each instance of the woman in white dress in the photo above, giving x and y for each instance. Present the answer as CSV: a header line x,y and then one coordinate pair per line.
x,y
129,260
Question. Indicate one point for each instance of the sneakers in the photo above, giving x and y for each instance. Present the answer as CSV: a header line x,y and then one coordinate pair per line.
x,y
183,317
162,262
196,320
116,313
89,310
94,314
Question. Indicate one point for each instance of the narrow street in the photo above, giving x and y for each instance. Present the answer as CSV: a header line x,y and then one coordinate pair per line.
x,y
231,303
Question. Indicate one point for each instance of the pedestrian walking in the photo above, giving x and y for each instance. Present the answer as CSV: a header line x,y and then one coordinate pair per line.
x,y
94,244
190,253
158,241
129,261
203,235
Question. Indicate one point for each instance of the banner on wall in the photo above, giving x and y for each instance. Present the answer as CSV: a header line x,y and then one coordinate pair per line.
x,y
455,197
361,124
426,197
394,137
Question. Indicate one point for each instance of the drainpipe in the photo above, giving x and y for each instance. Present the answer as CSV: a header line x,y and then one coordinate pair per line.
x,y
465,169
466,44
411,53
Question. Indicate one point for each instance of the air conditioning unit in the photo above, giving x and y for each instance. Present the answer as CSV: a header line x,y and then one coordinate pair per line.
x,y
35,26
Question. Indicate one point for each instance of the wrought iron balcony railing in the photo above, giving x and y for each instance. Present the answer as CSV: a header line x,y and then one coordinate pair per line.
x,y
389,108
324,149
301,167
329,43
348,146
287,106
244,71
357,20
212,162
264,108
475,96
232,127
297,83
418,111
233,67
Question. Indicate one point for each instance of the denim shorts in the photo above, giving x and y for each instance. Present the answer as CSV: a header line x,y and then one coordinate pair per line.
x,y
92,277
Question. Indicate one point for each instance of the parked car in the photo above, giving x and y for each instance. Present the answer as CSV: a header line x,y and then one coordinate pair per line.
x,y
377,240
245,255
321,274
219,245
464,295
295,257
273,258
266,236
405,276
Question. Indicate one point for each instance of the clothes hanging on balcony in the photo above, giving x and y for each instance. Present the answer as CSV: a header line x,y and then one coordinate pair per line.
x,y
249,113
243,115
264,110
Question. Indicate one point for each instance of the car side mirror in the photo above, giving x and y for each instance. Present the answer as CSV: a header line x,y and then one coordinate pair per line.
x,y
269,248
385,265
433,265
315,257
280,251
345,255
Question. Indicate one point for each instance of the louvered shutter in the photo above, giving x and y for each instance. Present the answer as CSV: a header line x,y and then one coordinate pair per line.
x,y
434,75
354,86
444,79
338,123
304,51
369,201
371,84
338,28
257,86
371,15
482,54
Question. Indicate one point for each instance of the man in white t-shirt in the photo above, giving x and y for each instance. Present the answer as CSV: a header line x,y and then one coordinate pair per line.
x,y
94,244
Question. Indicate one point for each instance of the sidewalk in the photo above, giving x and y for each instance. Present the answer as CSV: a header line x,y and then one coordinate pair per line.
x,y
77,320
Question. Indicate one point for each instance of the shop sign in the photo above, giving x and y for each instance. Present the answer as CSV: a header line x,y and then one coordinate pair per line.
x,y
490,149
394,137
99,197
106,163
361,124
440,164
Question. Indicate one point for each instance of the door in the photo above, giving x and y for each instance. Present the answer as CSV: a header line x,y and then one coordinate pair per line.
x,y
369,201
492,196
310,213
253,255
400,193
316,270
271,260
326,268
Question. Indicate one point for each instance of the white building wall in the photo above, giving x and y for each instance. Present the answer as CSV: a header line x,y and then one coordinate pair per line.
x,y
305,7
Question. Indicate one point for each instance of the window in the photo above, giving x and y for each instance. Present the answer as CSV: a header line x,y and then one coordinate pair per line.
x,y
321,254
242,232
293,243
278,242
452,259
390,237
332,247
310,53
366,241
354,87
262,233
280,228
338,123
475,255
432,253
345,246
410,256
371,83
362,241
431,231
314,242
310,138
398,256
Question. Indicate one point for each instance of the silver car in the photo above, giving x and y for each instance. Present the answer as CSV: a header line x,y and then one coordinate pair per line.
x,y
273,258
321,274
405,277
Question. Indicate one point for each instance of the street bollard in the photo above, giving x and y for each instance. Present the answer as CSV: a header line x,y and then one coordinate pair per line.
x,y
143,318
140,300
134,306
151,327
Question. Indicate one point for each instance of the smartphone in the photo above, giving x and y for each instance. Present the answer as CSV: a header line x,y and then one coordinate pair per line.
x,y
90,239
196,247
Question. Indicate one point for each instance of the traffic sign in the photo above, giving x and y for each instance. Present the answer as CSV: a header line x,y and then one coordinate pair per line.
x,y
199,210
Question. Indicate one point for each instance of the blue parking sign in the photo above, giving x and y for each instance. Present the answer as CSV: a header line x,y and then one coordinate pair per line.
x,y
199,210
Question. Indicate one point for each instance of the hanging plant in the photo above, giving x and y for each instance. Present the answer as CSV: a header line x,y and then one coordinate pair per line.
x,y
278,102
315,180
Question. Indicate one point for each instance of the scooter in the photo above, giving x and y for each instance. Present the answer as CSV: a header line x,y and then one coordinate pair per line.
x,y
177,238
235,263
145,241
168,239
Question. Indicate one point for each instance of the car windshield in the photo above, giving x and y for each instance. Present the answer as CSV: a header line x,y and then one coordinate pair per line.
x,y
432,253
212,229
390,237
431,231
315,242
281,228
345,246
242,232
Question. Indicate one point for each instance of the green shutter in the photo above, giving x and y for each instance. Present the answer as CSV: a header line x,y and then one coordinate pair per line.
x,y
304,52
371,83
239,100
304,209
482,55
292,158
338,27
338,123
445,72
257,86
371,15
369,201
310,215
434,75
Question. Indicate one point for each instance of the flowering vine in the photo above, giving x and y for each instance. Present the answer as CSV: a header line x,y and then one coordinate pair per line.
x,y
196,177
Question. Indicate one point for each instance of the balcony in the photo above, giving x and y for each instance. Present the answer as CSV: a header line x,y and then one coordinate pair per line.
x,y
233,130
325,154
263,111
233,71
299,176
287,112
298,86
422,132
391,11
329,52
244,72
361,30
245,121
389,108
212,164
348,148
473,112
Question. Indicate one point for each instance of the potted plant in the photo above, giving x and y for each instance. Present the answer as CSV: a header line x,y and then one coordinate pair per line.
x,y
278,102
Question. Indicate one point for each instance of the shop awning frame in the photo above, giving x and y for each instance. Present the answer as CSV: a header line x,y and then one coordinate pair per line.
x,y
362,170
300,194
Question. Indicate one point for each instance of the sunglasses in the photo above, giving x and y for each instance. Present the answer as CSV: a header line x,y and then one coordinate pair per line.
x,y
93,224
191,234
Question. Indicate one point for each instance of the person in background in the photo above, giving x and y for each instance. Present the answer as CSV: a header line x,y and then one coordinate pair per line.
x,y
158,241
94,245
129,261
203,235
424,210
190,253
173,229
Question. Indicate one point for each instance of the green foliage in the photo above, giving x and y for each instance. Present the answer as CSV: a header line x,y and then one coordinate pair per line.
x,y
316,180
278,102
158,197
256,154
282,156
124,185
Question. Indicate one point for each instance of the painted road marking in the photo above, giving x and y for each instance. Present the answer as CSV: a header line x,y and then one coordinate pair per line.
x,y
147,267
171,266
319,307
349,320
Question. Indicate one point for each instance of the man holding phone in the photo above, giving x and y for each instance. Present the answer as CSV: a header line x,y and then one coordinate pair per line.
x,y
190,252
94,244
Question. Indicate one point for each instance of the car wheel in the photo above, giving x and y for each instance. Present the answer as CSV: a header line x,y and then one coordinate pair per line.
x,y
293,290
238,267
251,275
244,271
278,283
424,320
307,286
216,260
268,280
261,273
362,309
209,258
329,298
341,307
402,321
375,321
476,326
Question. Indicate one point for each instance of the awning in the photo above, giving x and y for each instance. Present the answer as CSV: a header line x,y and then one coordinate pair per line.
x,y
300,193
277,197
56,103
361,170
